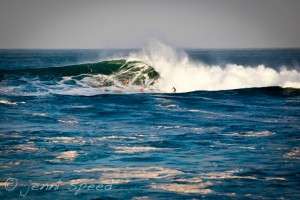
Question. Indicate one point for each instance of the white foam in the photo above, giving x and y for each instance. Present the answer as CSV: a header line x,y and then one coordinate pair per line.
x,y
94,181
71,122
177,71
21,148
81,106
133,172
8,102
197,129
166,127
82,181
85,140
68,155
226,175
183,188
275,179
63,139
40,114
251,148
9,164
253,134
294,153
138,149
117,137
54,172
27,147
189,180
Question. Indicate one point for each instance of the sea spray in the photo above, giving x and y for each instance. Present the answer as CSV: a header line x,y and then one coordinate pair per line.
x,y
177,70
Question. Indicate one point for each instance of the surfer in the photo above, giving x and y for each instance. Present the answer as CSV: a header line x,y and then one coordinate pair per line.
x,y
102,81
174,89
126,81
144,83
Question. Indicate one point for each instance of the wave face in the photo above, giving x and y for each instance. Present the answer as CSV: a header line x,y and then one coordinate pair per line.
x,y
157,68
83,79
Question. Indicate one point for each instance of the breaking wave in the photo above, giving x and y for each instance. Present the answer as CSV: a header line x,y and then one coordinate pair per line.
x,y
177,70
157,68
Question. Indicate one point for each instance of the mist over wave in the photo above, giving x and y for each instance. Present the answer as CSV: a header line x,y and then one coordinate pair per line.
x,y
176,70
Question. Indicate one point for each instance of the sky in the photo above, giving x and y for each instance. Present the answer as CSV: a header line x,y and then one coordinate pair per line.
x,y
117,24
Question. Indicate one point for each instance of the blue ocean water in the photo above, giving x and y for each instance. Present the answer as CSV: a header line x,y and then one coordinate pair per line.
x,y
64,136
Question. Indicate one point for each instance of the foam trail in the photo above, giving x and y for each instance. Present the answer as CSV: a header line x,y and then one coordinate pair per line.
x,y
176,70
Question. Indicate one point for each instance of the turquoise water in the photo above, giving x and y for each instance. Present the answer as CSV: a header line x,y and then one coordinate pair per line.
x,y
62,136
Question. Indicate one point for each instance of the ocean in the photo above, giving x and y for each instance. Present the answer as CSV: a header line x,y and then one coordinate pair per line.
x,y
72,128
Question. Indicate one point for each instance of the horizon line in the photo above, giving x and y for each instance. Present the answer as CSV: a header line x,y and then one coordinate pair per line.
x,y
139,48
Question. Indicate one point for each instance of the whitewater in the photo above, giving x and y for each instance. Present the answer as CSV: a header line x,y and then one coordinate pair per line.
x,y
176,69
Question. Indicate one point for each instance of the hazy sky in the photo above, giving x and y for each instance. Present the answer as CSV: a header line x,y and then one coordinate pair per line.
x,y
131,23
